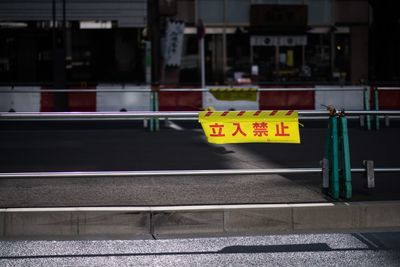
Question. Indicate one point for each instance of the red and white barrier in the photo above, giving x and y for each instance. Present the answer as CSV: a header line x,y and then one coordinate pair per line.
x,y
118,97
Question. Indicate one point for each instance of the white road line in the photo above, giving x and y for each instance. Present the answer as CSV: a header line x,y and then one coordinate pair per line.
x,y
202,207
196,208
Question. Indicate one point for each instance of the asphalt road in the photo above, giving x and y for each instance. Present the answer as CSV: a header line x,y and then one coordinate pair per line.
x,y
89,146
361,249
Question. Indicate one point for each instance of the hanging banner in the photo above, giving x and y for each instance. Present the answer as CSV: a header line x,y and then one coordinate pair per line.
x,y
174,43
231,98
234,93
260,126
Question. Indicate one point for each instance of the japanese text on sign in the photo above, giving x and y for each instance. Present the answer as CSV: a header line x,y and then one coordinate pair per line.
x,y
267,126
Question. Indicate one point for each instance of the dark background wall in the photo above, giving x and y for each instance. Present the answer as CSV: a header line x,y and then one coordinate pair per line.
x,y
385,41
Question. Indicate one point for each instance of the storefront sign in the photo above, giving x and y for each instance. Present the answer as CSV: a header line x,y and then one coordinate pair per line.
x,y
174,43
278,16
272,40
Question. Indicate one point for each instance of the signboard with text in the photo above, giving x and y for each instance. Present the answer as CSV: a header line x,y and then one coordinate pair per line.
x,y
278,18
174,43
254,126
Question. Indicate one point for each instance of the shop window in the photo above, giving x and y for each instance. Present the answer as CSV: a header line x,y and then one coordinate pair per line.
x,y
320,12
264,58
279,2
211,11
238,54
318,56
238,11
265,2
342,57
8,55
290,63
189,71
291,2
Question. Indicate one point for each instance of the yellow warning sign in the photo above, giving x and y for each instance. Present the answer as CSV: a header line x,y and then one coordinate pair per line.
x,y
234,93
254,126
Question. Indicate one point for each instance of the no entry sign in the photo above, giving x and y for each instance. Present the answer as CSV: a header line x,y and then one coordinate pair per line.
x,y
254,126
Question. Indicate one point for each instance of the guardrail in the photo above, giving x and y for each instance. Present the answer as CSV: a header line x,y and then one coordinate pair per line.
x,y
303,114
137,90
148,89
133,174
332,183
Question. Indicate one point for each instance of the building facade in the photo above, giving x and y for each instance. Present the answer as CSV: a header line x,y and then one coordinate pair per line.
x,y
92,41
266,41
285,40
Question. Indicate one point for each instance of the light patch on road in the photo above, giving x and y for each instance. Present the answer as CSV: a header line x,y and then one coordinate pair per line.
x,y
244,158
238,157
174,125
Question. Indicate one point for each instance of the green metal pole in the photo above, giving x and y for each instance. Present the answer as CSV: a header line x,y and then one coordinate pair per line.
x,y
328,157
376,94
157,121
334,181
345,177
152,109
367,106
328,142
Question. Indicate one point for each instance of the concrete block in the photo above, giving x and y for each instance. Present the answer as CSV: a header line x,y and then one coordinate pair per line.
x,y
2,229
354,216
127,224
258,220
40,224
381,215
188,223
326,218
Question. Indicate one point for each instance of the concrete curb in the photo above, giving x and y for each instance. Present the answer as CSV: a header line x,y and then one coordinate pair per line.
x,y
184,221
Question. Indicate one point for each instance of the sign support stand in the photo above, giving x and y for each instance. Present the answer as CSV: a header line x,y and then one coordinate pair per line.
x,y
337,154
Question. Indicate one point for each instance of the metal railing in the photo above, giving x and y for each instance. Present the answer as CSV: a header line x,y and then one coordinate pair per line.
x,y
136,90
207,89
256,88
133,174
130,115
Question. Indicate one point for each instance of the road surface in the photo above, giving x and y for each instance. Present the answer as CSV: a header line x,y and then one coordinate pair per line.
x,y
102,146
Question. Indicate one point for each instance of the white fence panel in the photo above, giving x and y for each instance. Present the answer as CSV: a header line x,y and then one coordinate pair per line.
x,y
352,99
129,101
20,101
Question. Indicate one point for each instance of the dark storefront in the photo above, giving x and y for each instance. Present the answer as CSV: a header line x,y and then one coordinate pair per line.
x,y
26,55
